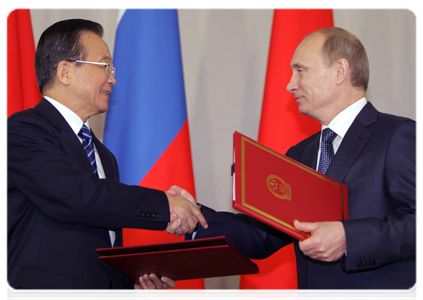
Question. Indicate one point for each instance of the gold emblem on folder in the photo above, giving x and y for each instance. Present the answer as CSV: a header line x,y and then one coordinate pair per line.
x,y
278,187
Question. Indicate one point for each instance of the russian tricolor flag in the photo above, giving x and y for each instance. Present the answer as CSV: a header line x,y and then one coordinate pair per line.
x,y
146,124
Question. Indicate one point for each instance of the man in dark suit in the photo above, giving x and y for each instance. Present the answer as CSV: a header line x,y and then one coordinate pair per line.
x,y
374,155
64,202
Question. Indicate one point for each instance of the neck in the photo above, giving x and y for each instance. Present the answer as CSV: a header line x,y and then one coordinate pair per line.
x,y
65,100
342,102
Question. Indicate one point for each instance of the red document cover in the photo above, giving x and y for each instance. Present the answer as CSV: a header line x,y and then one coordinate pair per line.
x,y
192,259
276,189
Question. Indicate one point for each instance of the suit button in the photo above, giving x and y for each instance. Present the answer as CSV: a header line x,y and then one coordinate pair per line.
x,y
141,214
155,215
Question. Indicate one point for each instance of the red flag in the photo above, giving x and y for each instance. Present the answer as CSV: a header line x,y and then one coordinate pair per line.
x,y
282,126
22,90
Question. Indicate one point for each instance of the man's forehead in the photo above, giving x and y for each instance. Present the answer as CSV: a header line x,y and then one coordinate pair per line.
x,y
307,50
311,44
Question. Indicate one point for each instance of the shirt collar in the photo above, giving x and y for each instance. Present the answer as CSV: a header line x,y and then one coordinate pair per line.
x,y
342,122
72,118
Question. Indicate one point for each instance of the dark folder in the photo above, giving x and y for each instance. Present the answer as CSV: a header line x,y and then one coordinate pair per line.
x,y
202,258
276,189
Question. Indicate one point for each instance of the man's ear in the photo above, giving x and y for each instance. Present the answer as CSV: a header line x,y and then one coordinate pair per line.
x,y
64,72
342,68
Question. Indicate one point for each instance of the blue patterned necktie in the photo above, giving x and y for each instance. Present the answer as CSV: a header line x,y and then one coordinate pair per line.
x,y
326,153
87,142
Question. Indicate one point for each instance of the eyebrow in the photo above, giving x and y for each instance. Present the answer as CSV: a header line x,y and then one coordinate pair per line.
x,y
106,57
298,66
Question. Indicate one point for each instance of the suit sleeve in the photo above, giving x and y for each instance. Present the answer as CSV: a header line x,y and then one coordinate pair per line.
x,y
374,242
42,168
255,239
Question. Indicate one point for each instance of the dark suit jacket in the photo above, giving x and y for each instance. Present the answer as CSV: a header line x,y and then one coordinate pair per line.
x,y
376,160
59,212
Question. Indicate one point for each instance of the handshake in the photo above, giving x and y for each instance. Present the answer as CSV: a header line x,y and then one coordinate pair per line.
x,y
184,212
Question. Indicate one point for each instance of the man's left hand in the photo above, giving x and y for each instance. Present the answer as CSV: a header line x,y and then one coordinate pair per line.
x,y
327,242
151,282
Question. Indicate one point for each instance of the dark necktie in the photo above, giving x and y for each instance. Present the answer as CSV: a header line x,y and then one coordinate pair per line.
x,y
87,143
326,153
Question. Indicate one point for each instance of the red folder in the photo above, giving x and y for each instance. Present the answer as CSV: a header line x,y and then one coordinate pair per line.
x,y
192,259
276,189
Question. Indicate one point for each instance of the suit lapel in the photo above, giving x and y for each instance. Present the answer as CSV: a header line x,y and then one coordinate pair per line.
x,y
67,135
352,144
53,116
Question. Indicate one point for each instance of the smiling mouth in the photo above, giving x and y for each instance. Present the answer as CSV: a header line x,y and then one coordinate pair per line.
x,y
105,93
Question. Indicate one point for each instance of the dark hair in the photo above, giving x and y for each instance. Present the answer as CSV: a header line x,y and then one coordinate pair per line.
x,y
61,41
339,44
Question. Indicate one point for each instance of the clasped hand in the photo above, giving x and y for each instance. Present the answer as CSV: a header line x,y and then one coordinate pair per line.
x,y
184,212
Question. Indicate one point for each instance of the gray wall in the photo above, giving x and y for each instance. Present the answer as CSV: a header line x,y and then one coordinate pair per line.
x,y
224,59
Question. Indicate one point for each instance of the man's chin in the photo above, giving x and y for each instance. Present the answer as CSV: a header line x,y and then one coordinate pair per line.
x,y
302,110
104,108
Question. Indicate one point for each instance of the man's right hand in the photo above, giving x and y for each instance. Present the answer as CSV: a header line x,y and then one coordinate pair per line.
x,y
188,214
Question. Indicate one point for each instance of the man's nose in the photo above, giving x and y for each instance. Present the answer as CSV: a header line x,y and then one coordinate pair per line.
x,y
111,80
291,87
